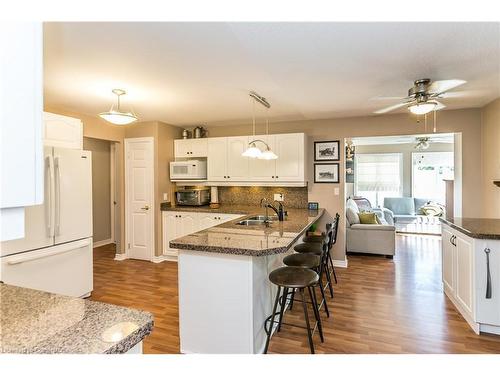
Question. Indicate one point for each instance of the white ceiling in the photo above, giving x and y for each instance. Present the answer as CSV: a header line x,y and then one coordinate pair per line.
x,y
200,73
402,139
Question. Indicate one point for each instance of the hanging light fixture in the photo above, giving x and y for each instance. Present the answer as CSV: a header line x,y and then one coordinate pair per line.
x,y
116,116
422,108
253,151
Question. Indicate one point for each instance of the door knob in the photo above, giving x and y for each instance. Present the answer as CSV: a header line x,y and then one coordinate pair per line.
x,y
145,208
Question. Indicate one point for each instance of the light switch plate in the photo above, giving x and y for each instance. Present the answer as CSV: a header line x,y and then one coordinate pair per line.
x,y
336,191
165,197
280,197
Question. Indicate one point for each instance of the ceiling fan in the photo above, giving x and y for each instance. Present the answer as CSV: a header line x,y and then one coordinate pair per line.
x,y
422,96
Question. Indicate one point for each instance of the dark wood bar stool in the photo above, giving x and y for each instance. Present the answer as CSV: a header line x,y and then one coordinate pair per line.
x,y
321,249
313,262
294,278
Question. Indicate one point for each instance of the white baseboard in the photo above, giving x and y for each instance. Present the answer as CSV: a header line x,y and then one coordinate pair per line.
x,y
340,263
120,256
163,258
103,242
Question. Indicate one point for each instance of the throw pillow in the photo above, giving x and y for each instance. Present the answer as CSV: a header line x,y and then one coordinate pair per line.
x,y
352,216
368,218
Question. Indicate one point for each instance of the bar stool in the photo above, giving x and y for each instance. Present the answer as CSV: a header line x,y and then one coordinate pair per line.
x,y
299,278
320,249
313,262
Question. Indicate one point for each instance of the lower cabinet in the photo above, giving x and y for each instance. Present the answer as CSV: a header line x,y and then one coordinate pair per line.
x,y
177,224
487,285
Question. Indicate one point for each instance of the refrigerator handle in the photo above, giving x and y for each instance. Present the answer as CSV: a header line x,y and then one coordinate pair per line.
x,y
49,207
57,189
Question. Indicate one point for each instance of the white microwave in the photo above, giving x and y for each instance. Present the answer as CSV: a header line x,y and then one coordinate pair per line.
x,y
188,170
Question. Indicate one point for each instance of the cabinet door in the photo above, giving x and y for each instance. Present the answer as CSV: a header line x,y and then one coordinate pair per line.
x,y
487,309
206,221
199,148
465,282
237,165
187,224
62,131
190,148
21,93
290,162
448,260
181,148
170,227
262,170
217,159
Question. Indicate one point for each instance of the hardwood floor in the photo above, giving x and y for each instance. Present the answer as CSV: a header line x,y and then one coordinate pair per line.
x,y
380,305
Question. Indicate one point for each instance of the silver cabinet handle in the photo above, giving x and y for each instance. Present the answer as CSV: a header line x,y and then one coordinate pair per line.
x,y
488,274
48,207
58,196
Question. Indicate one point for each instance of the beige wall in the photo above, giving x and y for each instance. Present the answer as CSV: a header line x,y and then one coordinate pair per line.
x,y
101,187
491,159
466,121
406,149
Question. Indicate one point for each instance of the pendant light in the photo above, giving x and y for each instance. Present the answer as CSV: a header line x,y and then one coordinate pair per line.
x,y
253,151
116,116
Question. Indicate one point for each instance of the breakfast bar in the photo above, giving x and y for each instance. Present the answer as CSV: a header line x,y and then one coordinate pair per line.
x,y
224,291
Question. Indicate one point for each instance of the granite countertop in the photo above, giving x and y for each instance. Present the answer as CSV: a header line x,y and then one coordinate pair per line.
x,y
475,227
258,240
32,321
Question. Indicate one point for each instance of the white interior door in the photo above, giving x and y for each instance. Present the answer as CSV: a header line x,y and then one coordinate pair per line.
x,y
73,194
139,182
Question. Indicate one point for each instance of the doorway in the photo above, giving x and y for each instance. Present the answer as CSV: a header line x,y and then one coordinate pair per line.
x,y
139,198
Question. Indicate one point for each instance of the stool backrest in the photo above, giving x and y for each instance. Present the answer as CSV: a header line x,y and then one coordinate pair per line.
x,y
331,231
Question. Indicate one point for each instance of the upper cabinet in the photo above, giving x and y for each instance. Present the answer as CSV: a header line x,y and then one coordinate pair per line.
x,y
191,148
62,131
227,166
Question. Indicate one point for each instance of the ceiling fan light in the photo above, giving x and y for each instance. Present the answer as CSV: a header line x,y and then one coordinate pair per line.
x,y
118,118
268,155
252,151
422,108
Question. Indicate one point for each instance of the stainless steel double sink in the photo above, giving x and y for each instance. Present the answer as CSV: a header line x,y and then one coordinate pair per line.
x,y
257,220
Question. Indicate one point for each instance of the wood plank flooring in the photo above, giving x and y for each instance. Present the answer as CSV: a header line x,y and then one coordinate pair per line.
x,y
380,305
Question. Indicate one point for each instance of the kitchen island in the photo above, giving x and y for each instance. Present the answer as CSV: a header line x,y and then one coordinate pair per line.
x,y
224,291
36,322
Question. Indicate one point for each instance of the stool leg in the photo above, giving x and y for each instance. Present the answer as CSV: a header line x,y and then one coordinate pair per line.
x,y
322,290
314,302
328,278
306,317
272,319
282,308
292,299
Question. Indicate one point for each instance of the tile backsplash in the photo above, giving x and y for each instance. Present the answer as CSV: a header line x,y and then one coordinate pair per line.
x,y
295,197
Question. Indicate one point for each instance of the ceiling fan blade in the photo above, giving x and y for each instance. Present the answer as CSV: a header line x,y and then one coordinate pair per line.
x,y
390,108
388,98
437,87
439,106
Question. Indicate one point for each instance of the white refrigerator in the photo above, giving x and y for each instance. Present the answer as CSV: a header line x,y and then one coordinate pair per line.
x,y
55,254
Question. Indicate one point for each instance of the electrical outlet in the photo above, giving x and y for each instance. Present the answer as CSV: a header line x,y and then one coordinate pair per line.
x,y
165,197
280,197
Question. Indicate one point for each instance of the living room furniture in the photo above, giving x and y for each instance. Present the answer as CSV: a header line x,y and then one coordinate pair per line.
x,y
405,209
368,238
385,216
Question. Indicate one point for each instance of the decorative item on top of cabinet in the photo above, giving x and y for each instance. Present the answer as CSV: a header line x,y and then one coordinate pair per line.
x,y
191,148
349,162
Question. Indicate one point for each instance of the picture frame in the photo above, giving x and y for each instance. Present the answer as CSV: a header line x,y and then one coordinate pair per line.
x,y
327,151
326,173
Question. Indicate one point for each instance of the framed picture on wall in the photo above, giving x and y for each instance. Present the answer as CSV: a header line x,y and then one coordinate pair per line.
x,y
327,151
327,173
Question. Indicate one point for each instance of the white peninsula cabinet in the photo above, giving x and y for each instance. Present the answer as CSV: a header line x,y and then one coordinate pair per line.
x,y
227,166
177,224
471,276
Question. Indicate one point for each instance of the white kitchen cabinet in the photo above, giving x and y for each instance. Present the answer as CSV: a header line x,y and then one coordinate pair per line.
x,y
464,273
62,131
290,163
488,306
177,224
21,94
191,148
236,164
217,159
448,260
262,170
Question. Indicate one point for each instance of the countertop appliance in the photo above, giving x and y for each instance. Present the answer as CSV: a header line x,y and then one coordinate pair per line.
x,y
193,196
55,254
188,170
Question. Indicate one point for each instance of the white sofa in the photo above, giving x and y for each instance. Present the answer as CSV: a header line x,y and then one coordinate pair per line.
x,y
368,238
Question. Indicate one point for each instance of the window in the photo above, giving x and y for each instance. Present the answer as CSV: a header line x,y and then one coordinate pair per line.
x,y
428,172
378,176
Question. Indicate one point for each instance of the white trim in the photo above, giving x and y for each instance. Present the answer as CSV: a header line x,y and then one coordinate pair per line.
x,y
127,142
120,256
242,183
112,167
340,263
163,258
103,242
